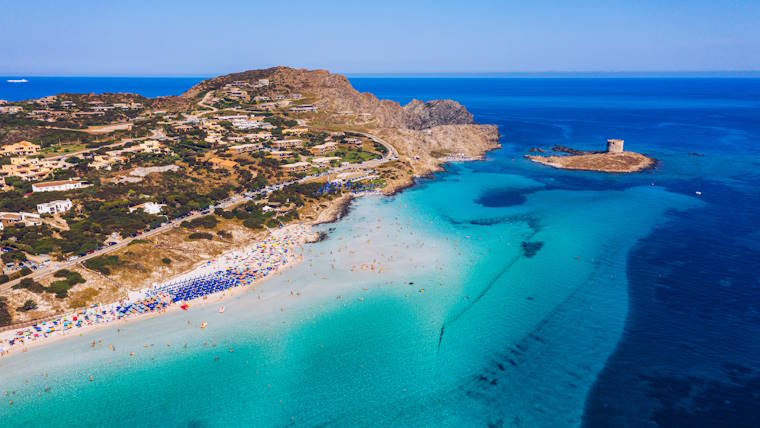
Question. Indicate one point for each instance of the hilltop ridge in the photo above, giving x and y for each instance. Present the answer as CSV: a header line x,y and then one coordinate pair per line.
x,y
334,94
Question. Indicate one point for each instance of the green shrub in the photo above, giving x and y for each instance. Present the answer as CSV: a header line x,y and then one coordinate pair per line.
x,y
201,235
71,277
207,221
138,241
166,261
29,284
13,256
224,214
62,273
5,315
103,264
29,305
59,288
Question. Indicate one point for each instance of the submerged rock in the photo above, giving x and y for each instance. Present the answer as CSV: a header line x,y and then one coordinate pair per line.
x,y
530,249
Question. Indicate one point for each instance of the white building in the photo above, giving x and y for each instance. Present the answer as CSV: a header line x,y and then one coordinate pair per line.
x,y
58,186
322,161
287,144
29,219
303,108
322,149
244,148
246,124
148,208
296,167
55,207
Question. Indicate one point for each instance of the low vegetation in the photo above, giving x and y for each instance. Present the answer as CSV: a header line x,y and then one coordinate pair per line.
x,y
29,305
103,264
201,235
5,315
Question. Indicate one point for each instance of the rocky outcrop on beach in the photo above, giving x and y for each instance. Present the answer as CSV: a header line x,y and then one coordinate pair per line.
x,y
335,210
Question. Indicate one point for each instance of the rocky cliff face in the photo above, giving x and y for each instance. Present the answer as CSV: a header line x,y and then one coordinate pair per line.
x,y
423,115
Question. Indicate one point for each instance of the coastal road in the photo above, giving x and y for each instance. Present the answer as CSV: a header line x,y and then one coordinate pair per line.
x,y
96,130
72,262
206,98
392,153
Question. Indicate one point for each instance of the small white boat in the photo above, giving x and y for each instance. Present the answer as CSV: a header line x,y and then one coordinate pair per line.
x,y
17,81
698,193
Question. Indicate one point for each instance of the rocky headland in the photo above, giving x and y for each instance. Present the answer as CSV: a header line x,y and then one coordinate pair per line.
x,y
424,134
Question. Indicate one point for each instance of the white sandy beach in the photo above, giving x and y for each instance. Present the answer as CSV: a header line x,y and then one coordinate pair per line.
x,y
276,252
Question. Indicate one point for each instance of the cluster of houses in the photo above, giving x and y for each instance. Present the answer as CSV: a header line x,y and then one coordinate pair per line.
x,y
284,150
246,92
10,219
22,148
254,127
53,108
320,160
34,219
31,169
9,109
26,167
112,157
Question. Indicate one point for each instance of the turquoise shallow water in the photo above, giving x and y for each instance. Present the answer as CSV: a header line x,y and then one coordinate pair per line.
x,y
551,298
380,355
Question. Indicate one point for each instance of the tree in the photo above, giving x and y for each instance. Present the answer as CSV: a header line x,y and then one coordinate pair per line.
x,y
5,315
29,284
13,256
29,305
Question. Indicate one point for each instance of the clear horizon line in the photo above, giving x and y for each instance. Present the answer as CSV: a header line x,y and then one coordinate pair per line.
x,y
548,73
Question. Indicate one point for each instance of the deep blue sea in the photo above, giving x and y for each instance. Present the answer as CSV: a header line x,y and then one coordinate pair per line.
x,y
38,87
510,294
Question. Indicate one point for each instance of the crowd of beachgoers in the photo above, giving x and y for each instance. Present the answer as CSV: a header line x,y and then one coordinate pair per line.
x,y
230,270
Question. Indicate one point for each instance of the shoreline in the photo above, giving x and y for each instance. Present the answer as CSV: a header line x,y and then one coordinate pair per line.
x,y
89,329
11,342
440,166
335,212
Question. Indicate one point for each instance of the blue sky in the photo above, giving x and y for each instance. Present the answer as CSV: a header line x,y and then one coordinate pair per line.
x,y
201,38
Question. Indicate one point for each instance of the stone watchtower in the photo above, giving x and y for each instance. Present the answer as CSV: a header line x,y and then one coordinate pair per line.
x,y
614,146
